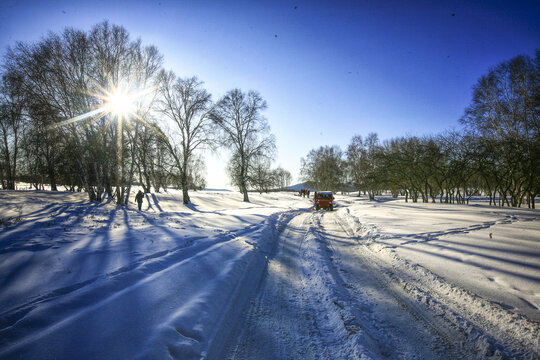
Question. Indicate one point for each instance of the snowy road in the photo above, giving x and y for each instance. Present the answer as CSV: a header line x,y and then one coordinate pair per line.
x,y
326,295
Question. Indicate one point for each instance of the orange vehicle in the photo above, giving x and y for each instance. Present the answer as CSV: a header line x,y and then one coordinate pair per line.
x,y
324,200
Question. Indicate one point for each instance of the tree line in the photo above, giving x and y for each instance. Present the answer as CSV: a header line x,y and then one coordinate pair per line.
x,y
59,126
495,154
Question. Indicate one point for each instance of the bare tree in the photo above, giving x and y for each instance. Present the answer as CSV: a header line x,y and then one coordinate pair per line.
x,y
362,159
505,110
196,173
69,79
121,64
186,104
281,177
243,127
11,122
152,157
324,167
260,176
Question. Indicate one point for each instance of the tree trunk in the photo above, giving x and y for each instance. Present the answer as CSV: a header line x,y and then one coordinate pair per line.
x,y
14,169
52,175
243,189
132,166
243,177
10,185
185,194
2,178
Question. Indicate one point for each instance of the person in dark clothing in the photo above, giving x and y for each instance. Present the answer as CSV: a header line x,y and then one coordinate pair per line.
x,y
308,193
139,198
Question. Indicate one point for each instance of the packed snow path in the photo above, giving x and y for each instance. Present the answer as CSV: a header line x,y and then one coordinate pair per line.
x,y
322,299
327,295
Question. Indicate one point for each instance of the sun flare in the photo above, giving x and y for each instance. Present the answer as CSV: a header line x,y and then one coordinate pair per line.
x,y
121,104
118,101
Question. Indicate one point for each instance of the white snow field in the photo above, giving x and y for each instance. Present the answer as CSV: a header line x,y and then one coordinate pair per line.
x,y
270,279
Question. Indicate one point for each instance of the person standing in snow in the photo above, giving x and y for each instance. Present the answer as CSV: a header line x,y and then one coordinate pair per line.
x,y
139,198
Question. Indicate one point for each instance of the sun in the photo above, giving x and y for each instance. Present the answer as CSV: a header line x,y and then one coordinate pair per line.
x,y
120,103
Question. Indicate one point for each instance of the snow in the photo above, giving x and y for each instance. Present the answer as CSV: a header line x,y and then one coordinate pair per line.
x,y
477,265
66,262
493,252
270,278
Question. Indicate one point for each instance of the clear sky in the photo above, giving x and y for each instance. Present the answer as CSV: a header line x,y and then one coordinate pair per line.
x,y
328,69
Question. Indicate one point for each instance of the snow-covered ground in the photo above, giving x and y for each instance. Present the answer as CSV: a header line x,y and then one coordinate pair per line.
x,y
477,266
266,279
491,251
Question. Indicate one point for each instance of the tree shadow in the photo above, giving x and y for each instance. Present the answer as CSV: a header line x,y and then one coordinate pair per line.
x,y
155,202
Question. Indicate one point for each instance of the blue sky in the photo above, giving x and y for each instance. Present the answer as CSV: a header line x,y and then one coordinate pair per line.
x,y
328,69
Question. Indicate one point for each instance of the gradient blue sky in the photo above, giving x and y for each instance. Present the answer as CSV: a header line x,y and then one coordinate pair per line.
x,y
328,69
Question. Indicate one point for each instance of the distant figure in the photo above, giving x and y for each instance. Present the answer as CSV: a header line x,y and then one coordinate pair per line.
x,y
139,198
308,193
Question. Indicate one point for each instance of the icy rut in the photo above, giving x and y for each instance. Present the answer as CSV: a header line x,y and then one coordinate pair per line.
x,y
322,299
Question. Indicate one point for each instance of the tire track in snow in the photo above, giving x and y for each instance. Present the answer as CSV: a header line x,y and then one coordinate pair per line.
x,y
305,308
278,324
476,321
326,295
380,310
339,319
452,343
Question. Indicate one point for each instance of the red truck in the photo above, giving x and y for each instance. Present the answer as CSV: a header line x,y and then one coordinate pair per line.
x,y
324,200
